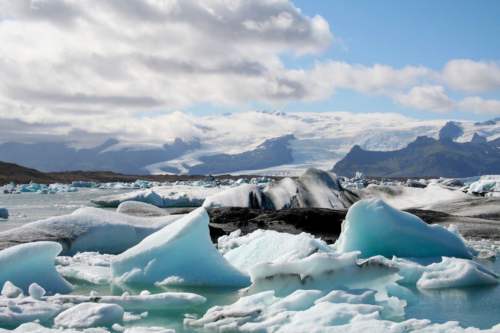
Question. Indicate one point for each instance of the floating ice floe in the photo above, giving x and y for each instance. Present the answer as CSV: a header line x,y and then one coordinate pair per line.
x,y
21,309
375,228
30,263
4,213
180,254
137,208
88,229
312,311
86,315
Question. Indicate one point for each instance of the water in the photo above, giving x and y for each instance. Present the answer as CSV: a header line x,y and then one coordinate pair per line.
x,y
478,307
473,306
29,207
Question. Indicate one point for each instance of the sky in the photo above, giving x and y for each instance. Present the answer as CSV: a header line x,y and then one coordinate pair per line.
x,y
89,69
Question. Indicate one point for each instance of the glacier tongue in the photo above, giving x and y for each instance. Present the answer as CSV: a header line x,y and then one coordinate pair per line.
x,y
181,254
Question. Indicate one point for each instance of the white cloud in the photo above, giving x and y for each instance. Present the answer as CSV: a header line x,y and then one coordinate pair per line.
x,y
480,105
472,76
429,98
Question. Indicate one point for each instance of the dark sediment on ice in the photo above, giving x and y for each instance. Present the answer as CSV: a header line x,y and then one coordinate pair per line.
x,y
326,223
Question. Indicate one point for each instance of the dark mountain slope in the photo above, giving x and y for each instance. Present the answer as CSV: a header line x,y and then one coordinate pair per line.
x,y
425,157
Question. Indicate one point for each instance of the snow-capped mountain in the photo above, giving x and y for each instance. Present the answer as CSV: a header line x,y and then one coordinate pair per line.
x,y
247,142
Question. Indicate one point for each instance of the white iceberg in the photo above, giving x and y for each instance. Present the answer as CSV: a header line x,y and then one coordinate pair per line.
x,y
373,227
489,184
180,253
89,229
267,246
86,315
29,263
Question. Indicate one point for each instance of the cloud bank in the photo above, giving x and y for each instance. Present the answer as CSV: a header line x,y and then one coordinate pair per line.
x,y
90,65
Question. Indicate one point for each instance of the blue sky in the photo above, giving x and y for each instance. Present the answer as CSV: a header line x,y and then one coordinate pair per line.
x,y
400,33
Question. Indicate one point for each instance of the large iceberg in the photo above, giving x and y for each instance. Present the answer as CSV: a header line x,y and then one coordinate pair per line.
x,y
373,227
181,254
88,229
29,263
315,188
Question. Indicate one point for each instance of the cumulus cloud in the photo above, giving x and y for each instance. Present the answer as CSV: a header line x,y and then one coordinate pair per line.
x,y
432,98
480,105
472,76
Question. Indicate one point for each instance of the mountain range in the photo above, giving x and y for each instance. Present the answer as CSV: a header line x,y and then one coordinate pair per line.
x,y
274,143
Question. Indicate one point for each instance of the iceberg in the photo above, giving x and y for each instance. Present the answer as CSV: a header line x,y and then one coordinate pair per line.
x,y
375,228
315,188
260,246
25,264
489,184
88,229
86,315
181,254
245,195
4,213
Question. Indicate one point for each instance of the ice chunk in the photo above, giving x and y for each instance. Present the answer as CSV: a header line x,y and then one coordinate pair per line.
x,y
89,229
29,263
182,249
4,213
35,291
266,246
90,315
455,273
9,290
373,227
15,311
137,208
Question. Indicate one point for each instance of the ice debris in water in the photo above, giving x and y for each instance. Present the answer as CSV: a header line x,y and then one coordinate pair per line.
x,y
183,250
375,228
29,263
312,311
22,309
